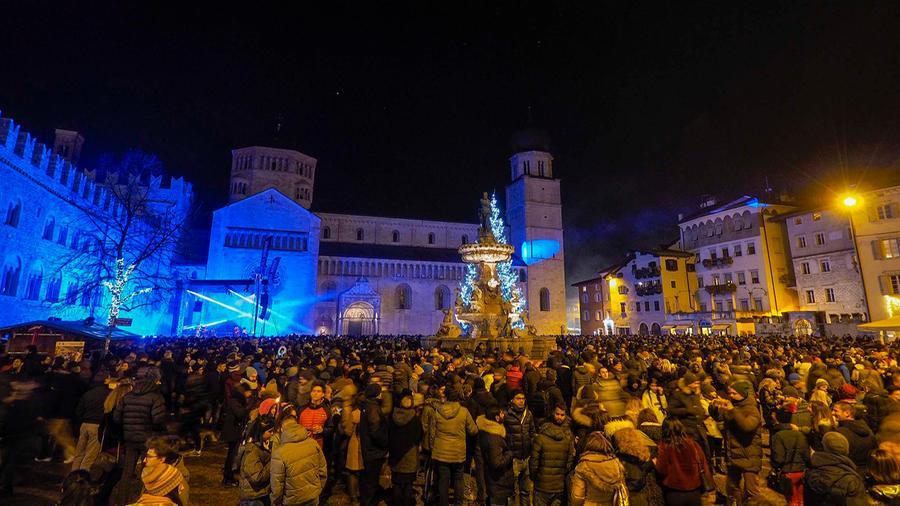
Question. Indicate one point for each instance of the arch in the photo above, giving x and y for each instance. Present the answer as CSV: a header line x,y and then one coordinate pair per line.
x,y
403,296
643,330
718,226
358,319
442,298
9,283
360,234
430,237
464,239
655,329
727,224
34,282
802,327
545,299
395,236
14,213
738,223
53,288
326,233
49,227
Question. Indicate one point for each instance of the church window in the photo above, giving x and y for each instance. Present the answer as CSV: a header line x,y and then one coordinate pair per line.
x,y
403,296
442,298
431,238
523,276
13,213
53,289
395,236
545,299
72,294
326,233
86,191
464,239
273,164
63,235
541,167
360,235
48,229
9,284
527,166
33,287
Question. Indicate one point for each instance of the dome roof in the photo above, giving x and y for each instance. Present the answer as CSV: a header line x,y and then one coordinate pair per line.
x,y
530,139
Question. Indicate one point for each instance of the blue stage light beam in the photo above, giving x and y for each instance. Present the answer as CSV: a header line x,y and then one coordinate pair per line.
x,y
210,324
222,304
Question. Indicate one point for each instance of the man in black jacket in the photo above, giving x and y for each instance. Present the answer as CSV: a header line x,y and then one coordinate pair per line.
x,y
498,470
519,424
858,434
373,438
140,413
552,457
89,412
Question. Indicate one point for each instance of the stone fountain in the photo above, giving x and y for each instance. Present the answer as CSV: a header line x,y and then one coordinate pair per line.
x,y
487,320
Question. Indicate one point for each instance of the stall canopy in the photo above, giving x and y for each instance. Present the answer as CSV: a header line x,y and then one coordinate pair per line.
x,y
889,324
46,333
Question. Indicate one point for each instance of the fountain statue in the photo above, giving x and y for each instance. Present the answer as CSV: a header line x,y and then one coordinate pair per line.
x,y
487,318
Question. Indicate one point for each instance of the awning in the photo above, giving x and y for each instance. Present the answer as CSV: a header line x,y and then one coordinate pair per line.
x,y
892,323
721,326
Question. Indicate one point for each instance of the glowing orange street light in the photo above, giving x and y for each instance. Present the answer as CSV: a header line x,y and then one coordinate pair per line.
x,y
850,201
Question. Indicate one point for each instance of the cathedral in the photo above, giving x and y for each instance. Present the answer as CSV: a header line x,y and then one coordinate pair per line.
x,y
273,261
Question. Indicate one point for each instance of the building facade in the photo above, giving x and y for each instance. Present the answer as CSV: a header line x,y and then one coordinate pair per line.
x,y
876,226
360,274
592,306
46,204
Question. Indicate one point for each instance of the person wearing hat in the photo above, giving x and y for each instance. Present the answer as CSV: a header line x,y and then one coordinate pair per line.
x,y
405,437
162,482
686,405
743,439
820,392
255,457
832,478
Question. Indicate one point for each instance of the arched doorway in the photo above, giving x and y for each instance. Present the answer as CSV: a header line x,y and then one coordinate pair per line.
x,y
644,330
655,330
802,327
358,319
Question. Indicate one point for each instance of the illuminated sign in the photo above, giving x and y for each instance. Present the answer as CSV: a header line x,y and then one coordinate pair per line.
x,y
538,250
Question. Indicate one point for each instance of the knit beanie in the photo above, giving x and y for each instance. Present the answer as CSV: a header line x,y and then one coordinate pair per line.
x,y
292,371
792,377
835,442
234,366
743,387
161,479
790,391
266,406
251,372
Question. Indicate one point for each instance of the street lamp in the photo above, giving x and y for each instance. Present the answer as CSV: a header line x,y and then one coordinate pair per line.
x,y
850,202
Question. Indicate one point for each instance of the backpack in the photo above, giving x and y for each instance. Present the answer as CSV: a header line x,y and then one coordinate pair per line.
x,y
540,404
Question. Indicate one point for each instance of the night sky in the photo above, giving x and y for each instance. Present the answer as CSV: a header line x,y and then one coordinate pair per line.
x,y
410,111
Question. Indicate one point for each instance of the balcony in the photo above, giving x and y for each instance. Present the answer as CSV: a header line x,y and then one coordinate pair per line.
x,y
725,289
710,263
704,315
648,289
647,272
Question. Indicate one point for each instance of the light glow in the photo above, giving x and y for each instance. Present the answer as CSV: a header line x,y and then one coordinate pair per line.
x,y
850,201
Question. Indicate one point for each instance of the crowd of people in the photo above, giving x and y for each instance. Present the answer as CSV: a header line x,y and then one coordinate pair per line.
x,y
604,420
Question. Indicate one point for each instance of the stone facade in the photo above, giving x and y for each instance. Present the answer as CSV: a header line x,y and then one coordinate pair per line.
x,y
825,267
255,169
592,305
876,224
42,228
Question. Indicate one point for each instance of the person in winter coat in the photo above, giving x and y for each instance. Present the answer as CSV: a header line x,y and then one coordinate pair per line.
x,y
89,412
654,398
373,442
599,475
405,435
450,425
831,478
194,404
499,389
858,434
140,413
298,468
884,479
167,448
234,417
547,395
498,461
742,439
790,454
316,415
255,458
552,457
520,430
681,465
685,404
640,473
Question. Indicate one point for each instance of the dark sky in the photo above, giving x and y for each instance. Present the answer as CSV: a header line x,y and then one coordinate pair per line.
x,y
409,111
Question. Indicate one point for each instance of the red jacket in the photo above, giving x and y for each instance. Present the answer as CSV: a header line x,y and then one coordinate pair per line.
x,y
318,416
514,378
680,465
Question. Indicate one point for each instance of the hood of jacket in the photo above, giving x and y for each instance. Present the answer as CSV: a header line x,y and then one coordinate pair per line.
x,y
858,427
142,387
579,418
402,416
490,426
293,432
602,471
825,459
554,431
448,410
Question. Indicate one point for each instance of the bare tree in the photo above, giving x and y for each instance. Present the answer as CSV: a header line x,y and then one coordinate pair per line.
x,y
125,244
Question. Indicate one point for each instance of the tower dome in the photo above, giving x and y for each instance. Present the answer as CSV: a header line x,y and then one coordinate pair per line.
x,y
530,139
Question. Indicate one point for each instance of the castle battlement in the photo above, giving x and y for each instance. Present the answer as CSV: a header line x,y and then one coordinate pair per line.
x,y
59,176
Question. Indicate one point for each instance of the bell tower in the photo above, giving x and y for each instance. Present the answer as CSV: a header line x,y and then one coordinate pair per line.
x,y
257,168
534,214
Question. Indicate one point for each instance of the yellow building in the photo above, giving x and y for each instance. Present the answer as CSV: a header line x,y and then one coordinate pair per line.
x,y
875,222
